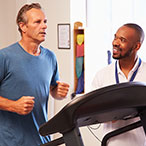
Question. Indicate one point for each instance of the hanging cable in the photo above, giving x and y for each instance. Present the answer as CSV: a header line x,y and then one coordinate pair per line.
x,y
91,128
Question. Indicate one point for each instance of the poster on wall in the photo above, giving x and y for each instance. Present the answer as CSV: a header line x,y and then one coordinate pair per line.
x,y
63,36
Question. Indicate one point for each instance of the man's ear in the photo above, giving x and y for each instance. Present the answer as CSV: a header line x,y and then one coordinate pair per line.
x,y
138,45
22,26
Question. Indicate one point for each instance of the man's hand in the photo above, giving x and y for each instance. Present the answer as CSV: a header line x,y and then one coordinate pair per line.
x,y
24,105
60,91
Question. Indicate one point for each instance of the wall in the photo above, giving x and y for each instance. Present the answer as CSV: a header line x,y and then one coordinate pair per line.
x,y
7,23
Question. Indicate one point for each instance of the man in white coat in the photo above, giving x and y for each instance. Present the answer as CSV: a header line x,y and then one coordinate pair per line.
x,y
127,67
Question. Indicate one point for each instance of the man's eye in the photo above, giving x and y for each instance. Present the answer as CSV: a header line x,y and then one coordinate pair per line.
x,y
123,40
38,21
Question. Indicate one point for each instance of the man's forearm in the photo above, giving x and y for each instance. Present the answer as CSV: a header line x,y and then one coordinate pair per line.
x,y
7,104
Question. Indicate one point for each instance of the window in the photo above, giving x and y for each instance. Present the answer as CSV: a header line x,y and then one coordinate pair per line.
x,y
103,19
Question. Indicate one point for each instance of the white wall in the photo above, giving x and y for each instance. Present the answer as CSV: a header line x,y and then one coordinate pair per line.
x,y
7,23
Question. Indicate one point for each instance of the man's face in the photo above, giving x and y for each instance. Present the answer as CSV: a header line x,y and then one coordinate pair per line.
x,y
124,43
36,25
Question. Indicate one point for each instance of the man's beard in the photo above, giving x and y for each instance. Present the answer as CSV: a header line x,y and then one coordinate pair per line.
x,y
124,56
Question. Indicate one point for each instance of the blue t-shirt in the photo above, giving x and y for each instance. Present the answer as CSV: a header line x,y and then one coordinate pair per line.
x,y
22,74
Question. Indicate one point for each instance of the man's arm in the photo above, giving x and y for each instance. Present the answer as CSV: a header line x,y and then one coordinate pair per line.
x,y
60,90
22,106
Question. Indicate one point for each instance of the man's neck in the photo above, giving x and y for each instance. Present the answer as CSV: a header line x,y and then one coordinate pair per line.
x,y
30,47
127,65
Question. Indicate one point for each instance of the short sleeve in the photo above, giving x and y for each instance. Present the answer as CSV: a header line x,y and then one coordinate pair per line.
x,y
55,76
2,66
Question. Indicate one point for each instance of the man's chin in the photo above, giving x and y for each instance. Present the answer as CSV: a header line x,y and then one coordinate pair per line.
x,y
42,40
116,57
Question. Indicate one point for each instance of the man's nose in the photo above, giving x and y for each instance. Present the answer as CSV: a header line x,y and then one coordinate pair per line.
x,y
116,42
44,25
